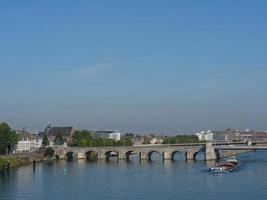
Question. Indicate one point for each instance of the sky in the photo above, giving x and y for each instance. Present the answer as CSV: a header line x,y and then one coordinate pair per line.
x,y
142,66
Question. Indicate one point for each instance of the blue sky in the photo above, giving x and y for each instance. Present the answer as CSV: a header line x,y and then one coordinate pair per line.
x,y
136,66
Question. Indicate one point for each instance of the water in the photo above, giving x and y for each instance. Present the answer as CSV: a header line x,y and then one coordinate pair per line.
x,y
82,180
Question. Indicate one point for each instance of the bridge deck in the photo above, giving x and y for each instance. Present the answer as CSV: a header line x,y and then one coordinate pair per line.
x,y
241,148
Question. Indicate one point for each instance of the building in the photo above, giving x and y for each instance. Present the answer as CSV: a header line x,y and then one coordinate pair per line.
x,y
200,136
211,135
205,135
249,136
115,136
156,140
106,134
225,135
138,140
65,132
231,135
28,143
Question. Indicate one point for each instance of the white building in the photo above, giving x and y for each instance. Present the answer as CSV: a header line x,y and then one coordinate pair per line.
x,y
28,145
106,134
205,136
156,141
23,146
200,136
36,144
115,136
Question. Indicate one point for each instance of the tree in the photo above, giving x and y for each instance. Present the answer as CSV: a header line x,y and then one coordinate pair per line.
x,y
59,139
82,138
49,152
125,142
45,141
8,138
181,139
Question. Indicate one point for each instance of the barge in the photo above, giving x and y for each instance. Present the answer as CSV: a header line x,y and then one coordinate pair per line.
x,y
230,165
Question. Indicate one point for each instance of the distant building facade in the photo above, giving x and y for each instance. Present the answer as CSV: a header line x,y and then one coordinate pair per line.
x,y
231,135
249,136
205,135
28,143
106,134
156,140
65,132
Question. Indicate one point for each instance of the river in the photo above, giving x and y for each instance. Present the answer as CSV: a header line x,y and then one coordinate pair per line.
x,y
158,180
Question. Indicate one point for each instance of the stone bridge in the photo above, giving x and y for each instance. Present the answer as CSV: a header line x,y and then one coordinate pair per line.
x,y
143,151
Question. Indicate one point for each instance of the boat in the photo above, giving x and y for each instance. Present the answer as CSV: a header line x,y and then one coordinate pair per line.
x,y
231,164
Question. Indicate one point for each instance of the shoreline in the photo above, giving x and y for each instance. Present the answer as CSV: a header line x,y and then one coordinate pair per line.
x,y
7,162
10,162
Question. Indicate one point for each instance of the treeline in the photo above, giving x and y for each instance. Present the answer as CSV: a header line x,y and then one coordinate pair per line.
x,y
8,138
85,139
181,139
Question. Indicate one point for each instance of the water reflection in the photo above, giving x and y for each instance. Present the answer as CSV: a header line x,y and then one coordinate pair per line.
x,y
200,156
135,179
179,156
155,156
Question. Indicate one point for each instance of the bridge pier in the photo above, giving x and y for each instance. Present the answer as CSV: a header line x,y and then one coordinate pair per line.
x,y
143,156
101,156
122,156
190,155
81,156
167,155
210,153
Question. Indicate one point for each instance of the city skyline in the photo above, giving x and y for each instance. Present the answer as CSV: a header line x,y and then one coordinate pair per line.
x,y
149,67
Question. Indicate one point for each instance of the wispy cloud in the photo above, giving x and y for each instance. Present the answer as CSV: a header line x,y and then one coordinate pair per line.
x,y
90,71
94,70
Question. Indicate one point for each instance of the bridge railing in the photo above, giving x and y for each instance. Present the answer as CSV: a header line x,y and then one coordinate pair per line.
x,y
215,143
227,143
170,145
239,143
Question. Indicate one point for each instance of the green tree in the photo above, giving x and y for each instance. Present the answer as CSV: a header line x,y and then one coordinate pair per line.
x,y
49,152
82,138
85,139
8,138
181,139
124,142
45,141
59,139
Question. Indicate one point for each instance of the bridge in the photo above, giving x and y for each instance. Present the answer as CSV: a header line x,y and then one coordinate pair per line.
x,y
211,150
143,151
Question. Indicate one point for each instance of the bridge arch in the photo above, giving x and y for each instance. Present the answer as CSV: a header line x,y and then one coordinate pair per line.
x,y
155,152
69,155
199,155
182,155
130,153
111,153
91,155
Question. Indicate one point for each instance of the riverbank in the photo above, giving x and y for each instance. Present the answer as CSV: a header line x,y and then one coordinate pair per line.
x,y
8,161
18,160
